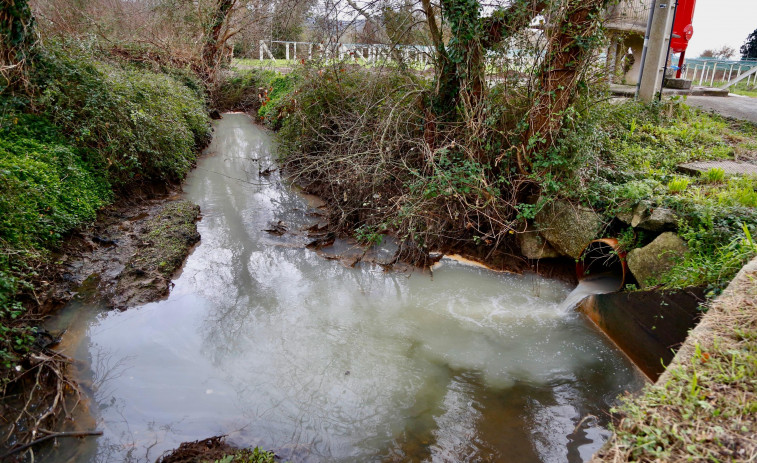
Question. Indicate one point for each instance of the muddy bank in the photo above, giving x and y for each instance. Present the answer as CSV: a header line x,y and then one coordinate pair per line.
x,y
128,256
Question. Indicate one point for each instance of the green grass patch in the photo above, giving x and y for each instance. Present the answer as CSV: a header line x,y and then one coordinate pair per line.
x,y
246,63
255,455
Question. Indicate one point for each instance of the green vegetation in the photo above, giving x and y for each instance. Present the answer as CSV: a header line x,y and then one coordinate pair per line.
x,y
751,92
242,64
277,99
639,148
713,175
255,455
81,132
678,184
240,90
143,125
47,188
363,134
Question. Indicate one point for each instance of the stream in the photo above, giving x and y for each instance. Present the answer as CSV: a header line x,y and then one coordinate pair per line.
x,y
273,345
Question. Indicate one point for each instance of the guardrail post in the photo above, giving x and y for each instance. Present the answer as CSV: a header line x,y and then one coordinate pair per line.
x,y
714,70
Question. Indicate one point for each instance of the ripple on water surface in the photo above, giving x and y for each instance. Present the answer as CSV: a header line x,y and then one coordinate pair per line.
x,y
275,346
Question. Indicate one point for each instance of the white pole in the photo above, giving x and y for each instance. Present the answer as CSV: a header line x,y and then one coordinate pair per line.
x,y
310,51
260,48
295,50
714,69
730,71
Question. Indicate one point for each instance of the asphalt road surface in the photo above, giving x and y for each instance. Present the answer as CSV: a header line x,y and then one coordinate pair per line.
x,y
735,106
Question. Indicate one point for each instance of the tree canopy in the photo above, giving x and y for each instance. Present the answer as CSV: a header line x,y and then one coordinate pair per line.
x,y
749,49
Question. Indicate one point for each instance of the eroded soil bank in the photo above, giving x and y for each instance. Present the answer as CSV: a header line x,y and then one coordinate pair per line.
x,y
129,255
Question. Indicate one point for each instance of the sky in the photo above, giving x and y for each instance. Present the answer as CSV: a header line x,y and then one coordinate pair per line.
x,y
722,22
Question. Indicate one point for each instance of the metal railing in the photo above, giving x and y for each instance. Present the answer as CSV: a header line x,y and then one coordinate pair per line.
x,y
709,72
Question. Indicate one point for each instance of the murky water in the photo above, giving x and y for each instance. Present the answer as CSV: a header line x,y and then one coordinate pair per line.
x,y
276,346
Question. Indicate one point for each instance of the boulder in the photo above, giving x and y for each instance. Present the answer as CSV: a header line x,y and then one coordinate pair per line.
x,y
625,216
568,228
656,219
533,246
656,258
640,212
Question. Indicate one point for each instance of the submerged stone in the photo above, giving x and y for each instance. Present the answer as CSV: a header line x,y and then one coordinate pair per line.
x,y
656,258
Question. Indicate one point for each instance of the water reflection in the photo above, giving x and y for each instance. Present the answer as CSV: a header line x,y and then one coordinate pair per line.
x,y
273,345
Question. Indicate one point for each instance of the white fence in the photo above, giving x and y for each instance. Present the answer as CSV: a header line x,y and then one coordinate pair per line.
x,y
723,73
369,53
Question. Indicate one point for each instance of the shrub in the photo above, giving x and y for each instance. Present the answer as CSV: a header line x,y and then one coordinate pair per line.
x,y
140,124
47,185
46,189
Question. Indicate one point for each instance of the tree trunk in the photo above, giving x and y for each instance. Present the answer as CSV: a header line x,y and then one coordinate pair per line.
x,y
570,46
212,49
461,64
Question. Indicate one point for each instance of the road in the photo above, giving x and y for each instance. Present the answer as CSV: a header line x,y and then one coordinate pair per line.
x,y
735,106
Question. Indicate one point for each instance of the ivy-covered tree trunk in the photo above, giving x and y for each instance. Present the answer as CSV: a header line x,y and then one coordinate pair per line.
x,y
461,73
214,42
17,40
572,42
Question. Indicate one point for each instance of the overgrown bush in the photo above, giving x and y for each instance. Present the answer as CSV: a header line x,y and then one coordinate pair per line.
x,y
142,125
364,140
48,185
